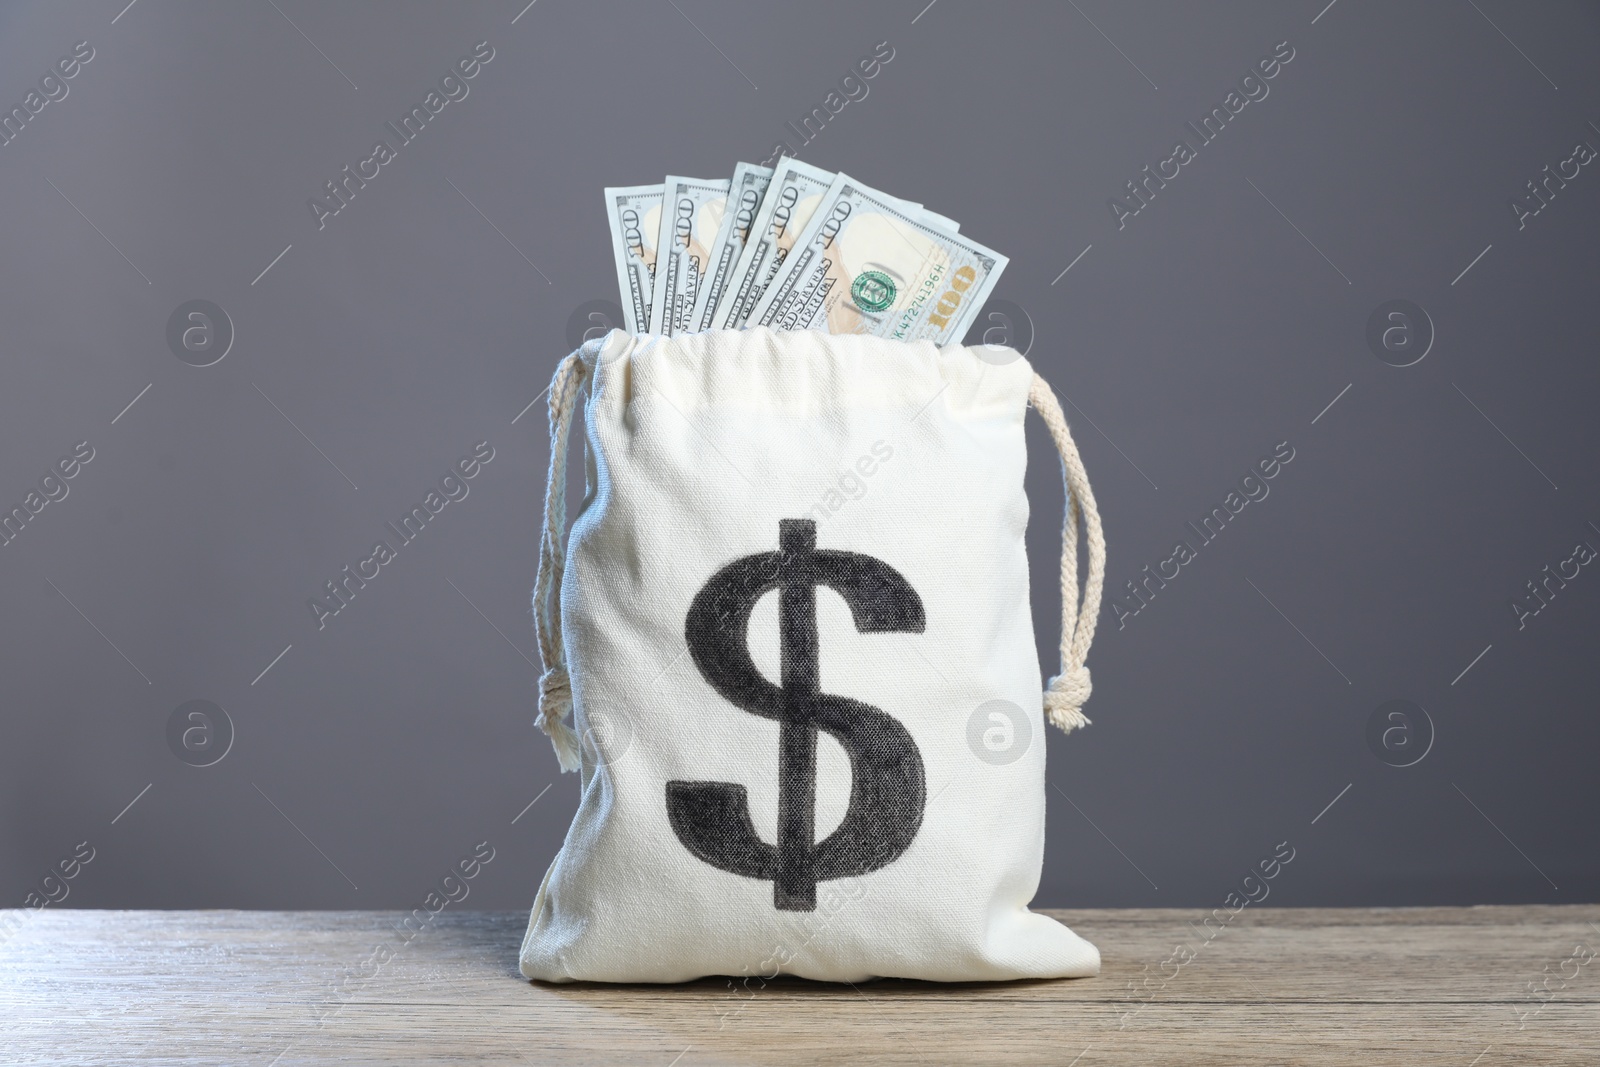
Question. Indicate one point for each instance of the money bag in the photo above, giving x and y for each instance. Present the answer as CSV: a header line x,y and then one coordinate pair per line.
x,y
789,650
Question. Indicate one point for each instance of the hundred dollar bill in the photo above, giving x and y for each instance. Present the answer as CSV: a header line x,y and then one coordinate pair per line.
x,y
867,263
634,213
794,193
796,189
745,192
691,214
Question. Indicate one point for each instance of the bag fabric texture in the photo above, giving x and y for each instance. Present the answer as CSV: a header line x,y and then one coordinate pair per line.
x,y
789,650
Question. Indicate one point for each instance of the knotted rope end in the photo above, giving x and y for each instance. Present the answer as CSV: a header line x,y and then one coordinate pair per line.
x,y
555,706
1065,697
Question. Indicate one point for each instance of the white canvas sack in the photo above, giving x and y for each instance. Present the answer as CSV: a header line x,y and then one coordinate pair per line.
x,y
791,629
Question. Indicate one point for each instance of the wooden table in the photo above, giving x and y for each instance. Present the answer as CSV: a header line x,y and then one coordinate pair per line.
x,y
1320,986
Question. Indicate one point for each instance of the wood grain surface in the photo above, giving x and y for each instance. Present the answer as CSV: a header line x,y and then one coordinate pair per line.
x,y
1469,987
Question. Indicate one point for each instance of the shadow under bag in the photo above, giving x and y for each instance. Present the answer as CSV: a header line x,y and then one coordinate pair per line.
x,y
789,649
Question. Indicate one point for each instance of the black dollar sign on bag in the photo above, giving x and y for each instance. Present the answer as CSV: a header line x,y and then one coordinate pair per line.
x,y
887,789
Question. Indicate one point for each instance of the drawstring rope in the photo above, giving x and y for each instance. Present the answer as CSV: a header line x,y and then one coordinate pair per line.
x,y
1065,694
555,686
1068,691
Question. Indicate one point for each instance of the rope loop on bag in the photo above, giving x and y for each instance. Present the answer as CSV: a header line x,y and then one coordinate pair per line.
x,y
555,685
1068,691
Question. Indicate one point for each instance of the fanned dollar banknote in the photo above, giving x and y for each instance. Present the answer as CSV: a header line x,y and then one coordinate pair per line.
x,y
868,264
691,215
795,191
634,213
793,247
745,193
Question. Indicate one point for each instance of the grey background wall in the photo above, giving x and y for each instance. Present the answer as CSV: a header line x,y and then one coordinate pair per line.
x,y
1244,704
